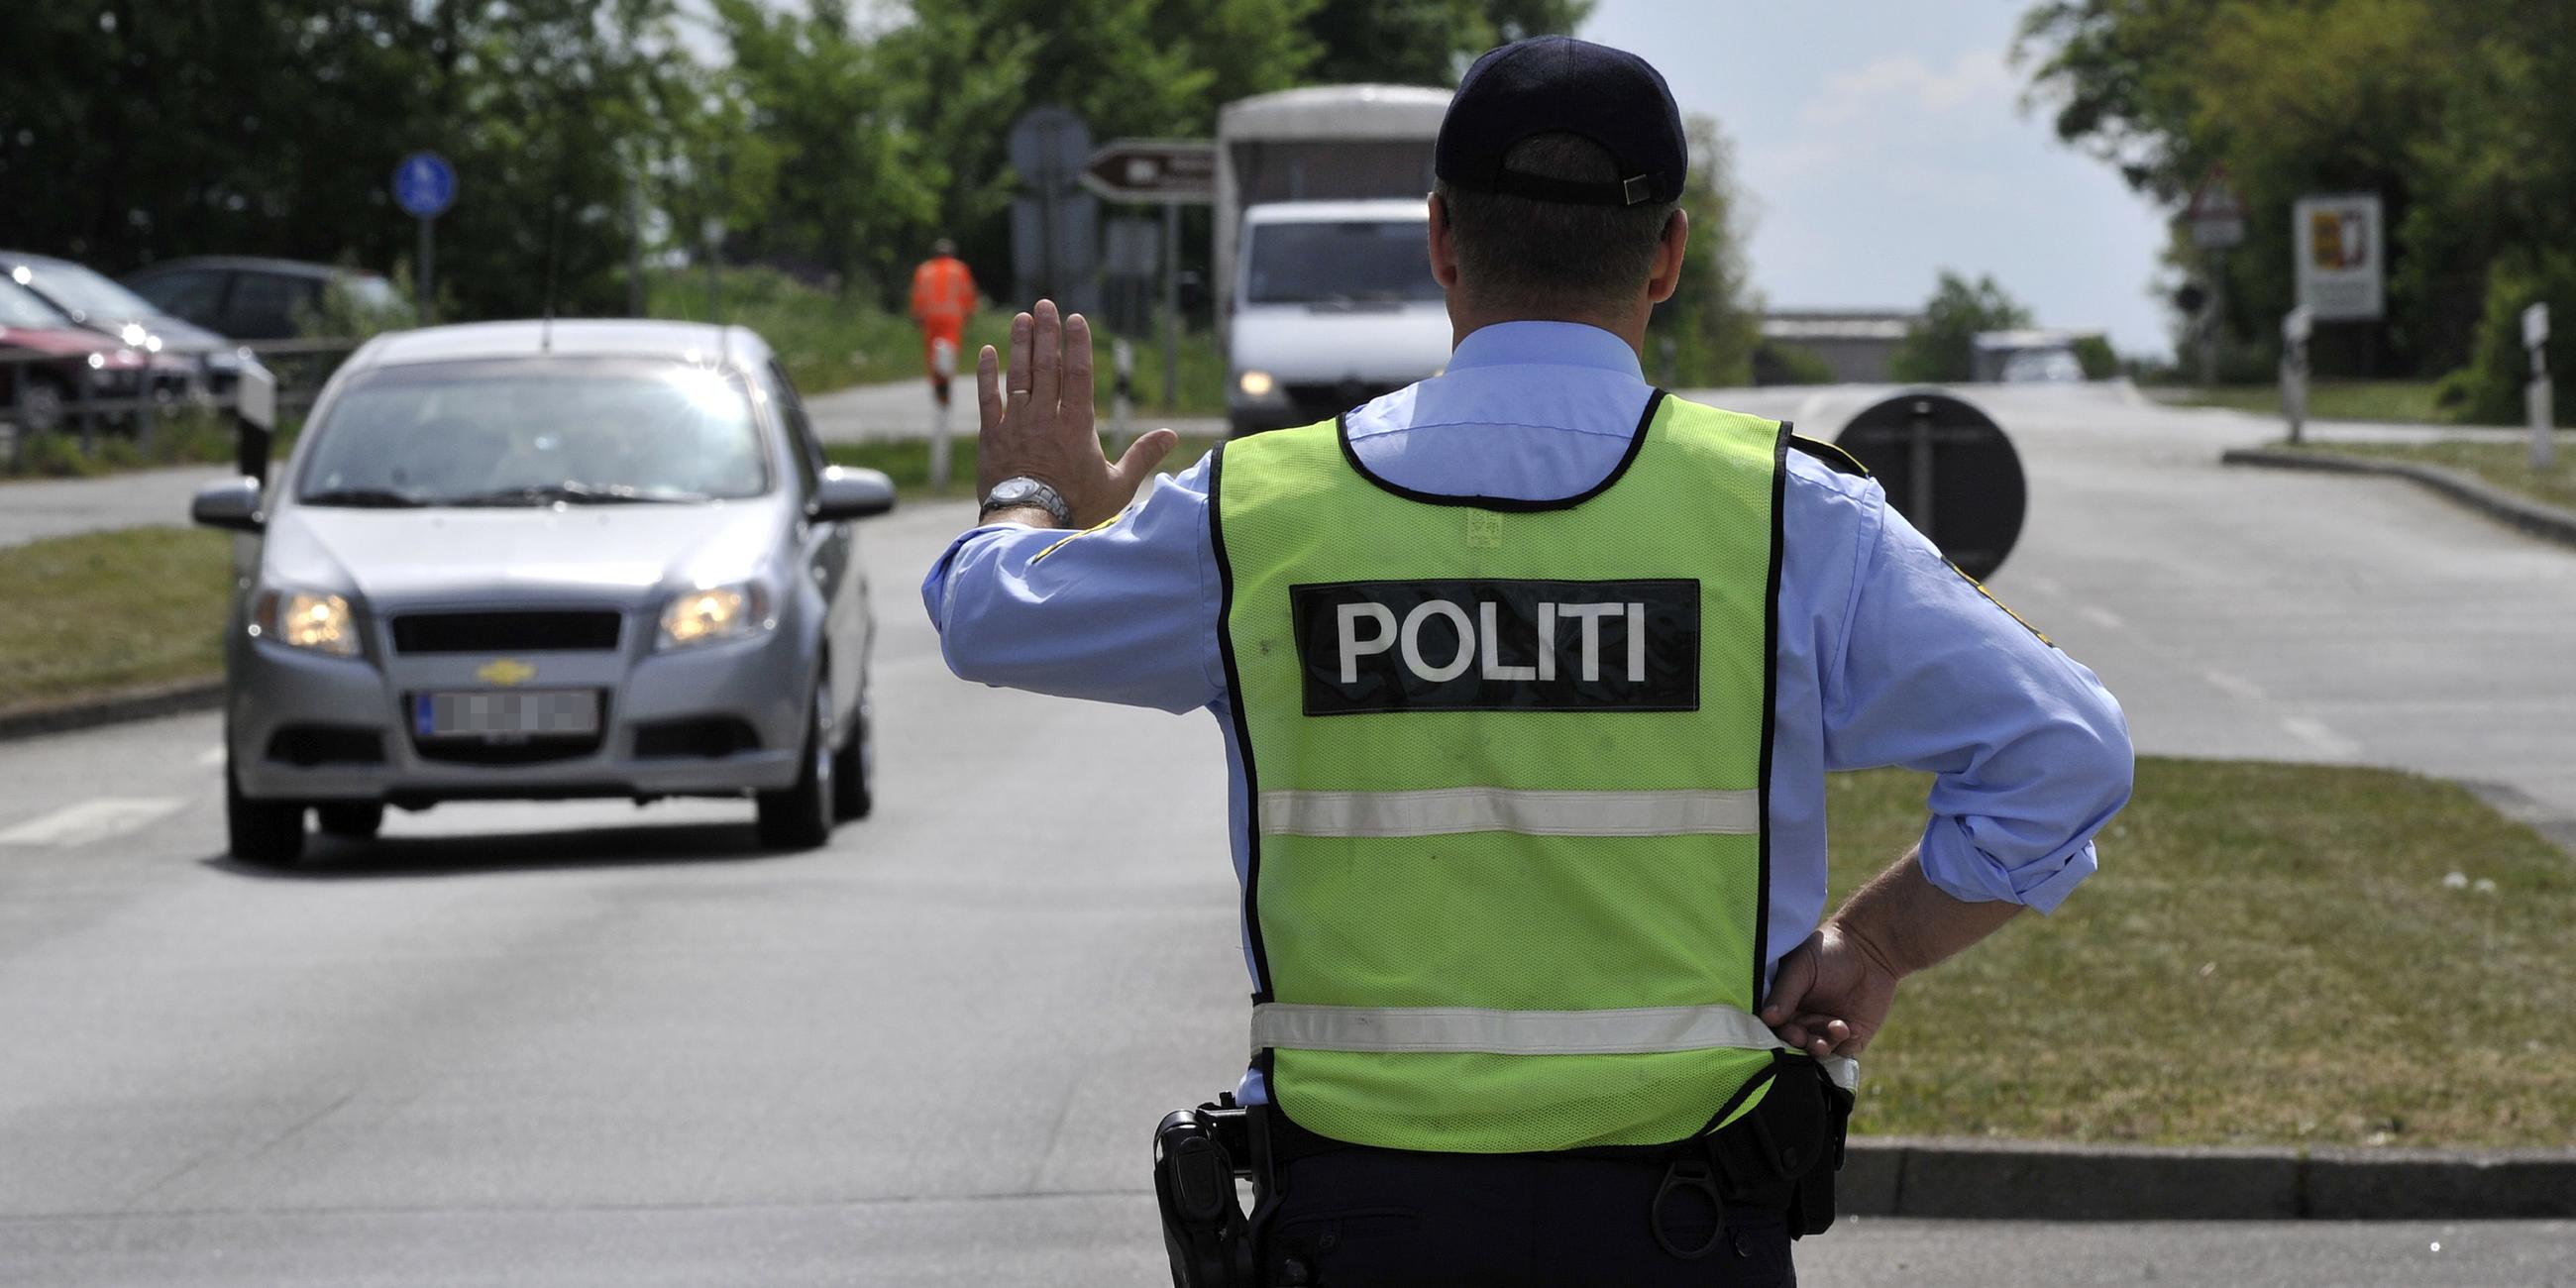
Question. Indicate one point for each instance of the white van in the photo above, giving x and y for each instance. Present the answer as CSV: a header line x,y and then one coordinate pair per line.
x,y
1334,304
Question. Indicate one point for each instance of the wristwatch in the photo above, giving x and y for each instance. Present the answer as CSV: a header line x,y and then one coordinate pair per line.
x,y
1026,491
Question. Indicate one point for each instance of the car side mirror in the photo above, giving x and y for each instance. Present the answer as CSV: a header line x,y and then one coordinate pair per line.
x,y
233,503
847,492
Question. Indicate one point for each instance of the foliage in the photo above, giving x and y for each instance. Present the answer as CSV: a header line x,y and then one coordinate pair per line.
x,y
2453,111
1427,42
2101,362
1712,320
1790,364
1943,346
2490,388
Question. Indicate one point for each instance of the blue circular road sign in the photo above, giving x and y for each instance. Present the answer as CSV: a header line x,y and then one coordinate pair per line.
x,y
424,185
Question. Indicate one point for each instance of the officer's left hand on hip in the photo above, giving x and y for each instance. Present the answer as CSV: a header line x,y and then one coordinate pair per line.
x,y
1040,425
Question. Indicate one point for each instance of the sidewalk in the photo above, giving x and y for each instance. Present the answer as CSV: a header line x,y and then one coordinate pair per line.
x,y
40,508
901,409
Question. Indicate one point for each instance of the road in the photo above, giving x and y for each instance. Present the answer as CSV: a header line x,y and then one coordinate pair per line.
x,y
584,1044
34,510
902,409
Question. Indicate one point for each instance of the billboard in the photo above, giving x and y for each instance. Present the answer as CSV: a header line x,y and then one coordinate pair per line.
x,y
2342,257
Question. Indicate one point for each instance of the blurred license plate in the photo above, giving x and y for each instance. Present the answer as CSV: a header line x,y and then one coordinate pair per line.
x,y
543,713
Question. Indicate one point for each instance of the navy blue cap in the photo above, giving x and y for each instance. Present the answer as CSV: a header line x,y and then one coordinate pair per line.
x,y
1552,84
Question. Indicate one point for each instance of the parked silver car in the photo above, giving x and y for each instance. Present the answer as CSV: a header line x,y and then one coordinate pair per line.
x,y
542,561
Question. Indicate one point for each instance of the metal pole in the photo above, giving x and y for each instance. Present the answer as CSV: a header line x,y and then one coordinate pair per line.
x,y
428,262
1171,305
1122,395
1919,470
2215,318
634,248
715,305
2536,398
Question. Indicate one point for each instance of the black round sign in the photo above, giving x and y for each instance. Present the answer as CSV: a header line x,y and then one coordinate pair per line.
x,y
1949,470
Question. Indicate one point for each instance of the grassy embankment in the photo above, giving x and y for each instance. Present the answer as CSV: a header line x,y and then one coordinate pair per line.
x,y
2499,462
2403,401
111,610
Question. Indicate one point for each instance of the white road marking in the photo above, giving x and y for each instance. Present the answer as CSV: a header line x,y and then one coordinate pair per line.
x,y
91,820
2045,585
212,756
2235,684
2317,735
2101,617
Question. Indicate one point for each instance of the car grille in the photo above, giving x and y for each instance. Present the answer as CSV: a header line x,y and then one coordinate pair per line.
x,y
517,751
507,632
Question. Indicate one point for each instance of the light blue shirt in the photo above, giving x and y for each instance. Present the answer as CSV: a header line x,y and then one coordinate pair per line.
x,y
1888,656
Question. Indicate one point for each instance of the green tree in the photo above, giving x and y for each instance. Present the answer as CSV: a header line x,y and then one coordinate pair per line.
x,y
1427,42
1713,319
1943,347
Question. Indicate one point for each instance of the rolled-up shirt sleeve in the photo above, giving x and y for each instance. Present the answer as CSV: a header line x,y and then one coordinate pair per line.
x,y
2030,754
1123,613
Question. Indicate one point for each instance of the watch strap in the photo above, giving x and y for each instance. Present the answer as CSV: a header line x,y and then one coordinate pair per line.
x,y
1023,491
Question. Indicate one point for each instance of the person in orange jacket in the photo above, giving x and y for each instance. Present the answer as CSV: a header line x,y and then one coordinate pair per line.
x,y
943,293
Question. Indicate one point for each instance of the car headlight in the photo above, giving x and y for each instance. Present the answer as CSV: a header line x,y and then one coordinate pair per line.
x,y
1255,384
715,613
303,619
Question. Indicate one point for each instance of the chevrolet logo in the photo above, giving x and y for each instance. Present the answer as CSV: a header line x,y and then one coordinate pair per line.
x,y
506,672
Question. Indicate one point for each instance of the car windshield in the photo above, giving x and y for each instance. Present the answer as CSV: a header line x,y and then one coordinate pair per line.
x,y
537,432
1345,262
75,287
20,309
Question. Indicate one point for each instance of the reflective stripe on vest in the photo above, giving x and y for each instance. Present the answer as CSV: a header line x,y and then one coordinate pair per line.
x,y
1506,872
1459,1028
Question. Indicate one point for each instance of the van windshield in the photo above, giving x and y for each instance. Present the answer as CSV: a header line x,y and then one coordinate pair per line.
x,y
1373,261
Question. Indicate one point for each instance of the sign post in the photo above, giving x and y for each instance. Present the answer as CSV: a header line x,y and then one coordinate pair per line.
x,y
1171,173
1949,470
2296,326
425,186
2216,222
2536,395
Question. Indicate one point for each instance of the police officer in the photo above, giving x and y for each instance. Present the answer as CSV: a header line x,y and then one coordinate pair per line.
x,y
1530,675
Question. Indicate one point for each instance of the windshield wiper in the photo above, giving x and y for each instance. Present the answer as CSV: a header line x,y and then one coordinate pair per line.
x,y
380,498
573,493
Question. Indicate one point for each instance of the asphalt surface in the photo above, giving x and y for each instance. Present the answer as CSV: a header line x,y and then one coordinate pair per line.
x,y
903,409
586,1044
34,510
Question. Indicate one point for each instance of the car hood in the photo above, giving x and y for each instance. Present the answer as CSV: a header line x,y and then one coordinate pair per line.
x,y
624,554
1306,344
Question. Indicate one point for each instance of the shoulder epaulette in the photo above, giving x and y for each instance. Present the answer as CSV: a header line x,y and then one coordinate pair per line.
x,y
1841,461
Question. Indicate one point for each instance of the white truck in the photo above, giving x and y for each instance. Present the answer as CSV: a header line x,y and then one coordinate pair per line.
x,y
1323,289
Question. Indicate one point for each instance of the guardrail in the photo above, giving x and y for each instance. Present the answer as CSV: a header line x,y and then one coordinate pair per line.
x,y
125,393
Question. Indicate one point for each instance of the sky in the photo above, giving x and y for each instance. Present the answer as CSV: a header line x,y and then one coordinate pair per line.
x,y
1882,141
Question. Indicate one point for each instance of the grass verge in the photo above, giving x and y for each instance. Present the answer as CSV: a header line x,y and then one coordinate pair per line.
x,y
2270,954
2500,462
827,342
111,610
2384,400
907,462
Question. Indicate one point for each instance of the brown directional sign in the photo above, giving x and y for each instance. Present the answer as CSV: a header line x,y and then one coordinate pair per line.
x,y
1173,171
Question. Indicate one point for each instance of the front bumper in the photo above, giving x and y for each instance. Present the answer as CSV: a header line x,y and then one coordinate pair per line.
x,y
303,725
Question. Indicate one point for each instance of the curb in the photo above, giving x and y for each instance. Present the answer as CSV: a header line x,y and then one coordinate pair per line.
x,y
114,708
2547,522
2025,1180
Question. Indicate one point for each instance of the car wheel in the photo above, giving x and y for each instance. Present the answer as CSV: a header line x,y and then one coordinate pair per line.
x,y
351,820
800,818
851,794
267,833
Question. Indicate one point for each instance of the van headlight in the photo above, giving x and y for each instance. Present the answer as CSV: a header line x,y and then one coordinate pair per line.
x,y
714,613
1255,384
306,619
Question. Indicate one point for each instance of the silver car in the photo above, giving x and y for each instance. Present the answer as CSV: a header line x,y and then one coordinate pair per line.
x,y
546,561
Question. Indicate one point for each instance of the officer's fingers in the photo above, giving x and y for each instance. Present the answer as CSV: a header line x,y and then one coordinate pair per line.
x,y
988,387
1047,363
1021,368
1143,455
1077,369
1789,985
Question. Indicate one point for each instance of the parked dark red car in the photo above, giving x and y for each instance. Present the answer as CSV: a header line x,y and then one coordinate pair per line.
x,y
49,365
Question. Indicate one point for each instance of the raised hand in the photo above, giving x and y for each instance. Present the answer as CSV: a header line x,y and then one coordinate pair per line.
x,y
1040,426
